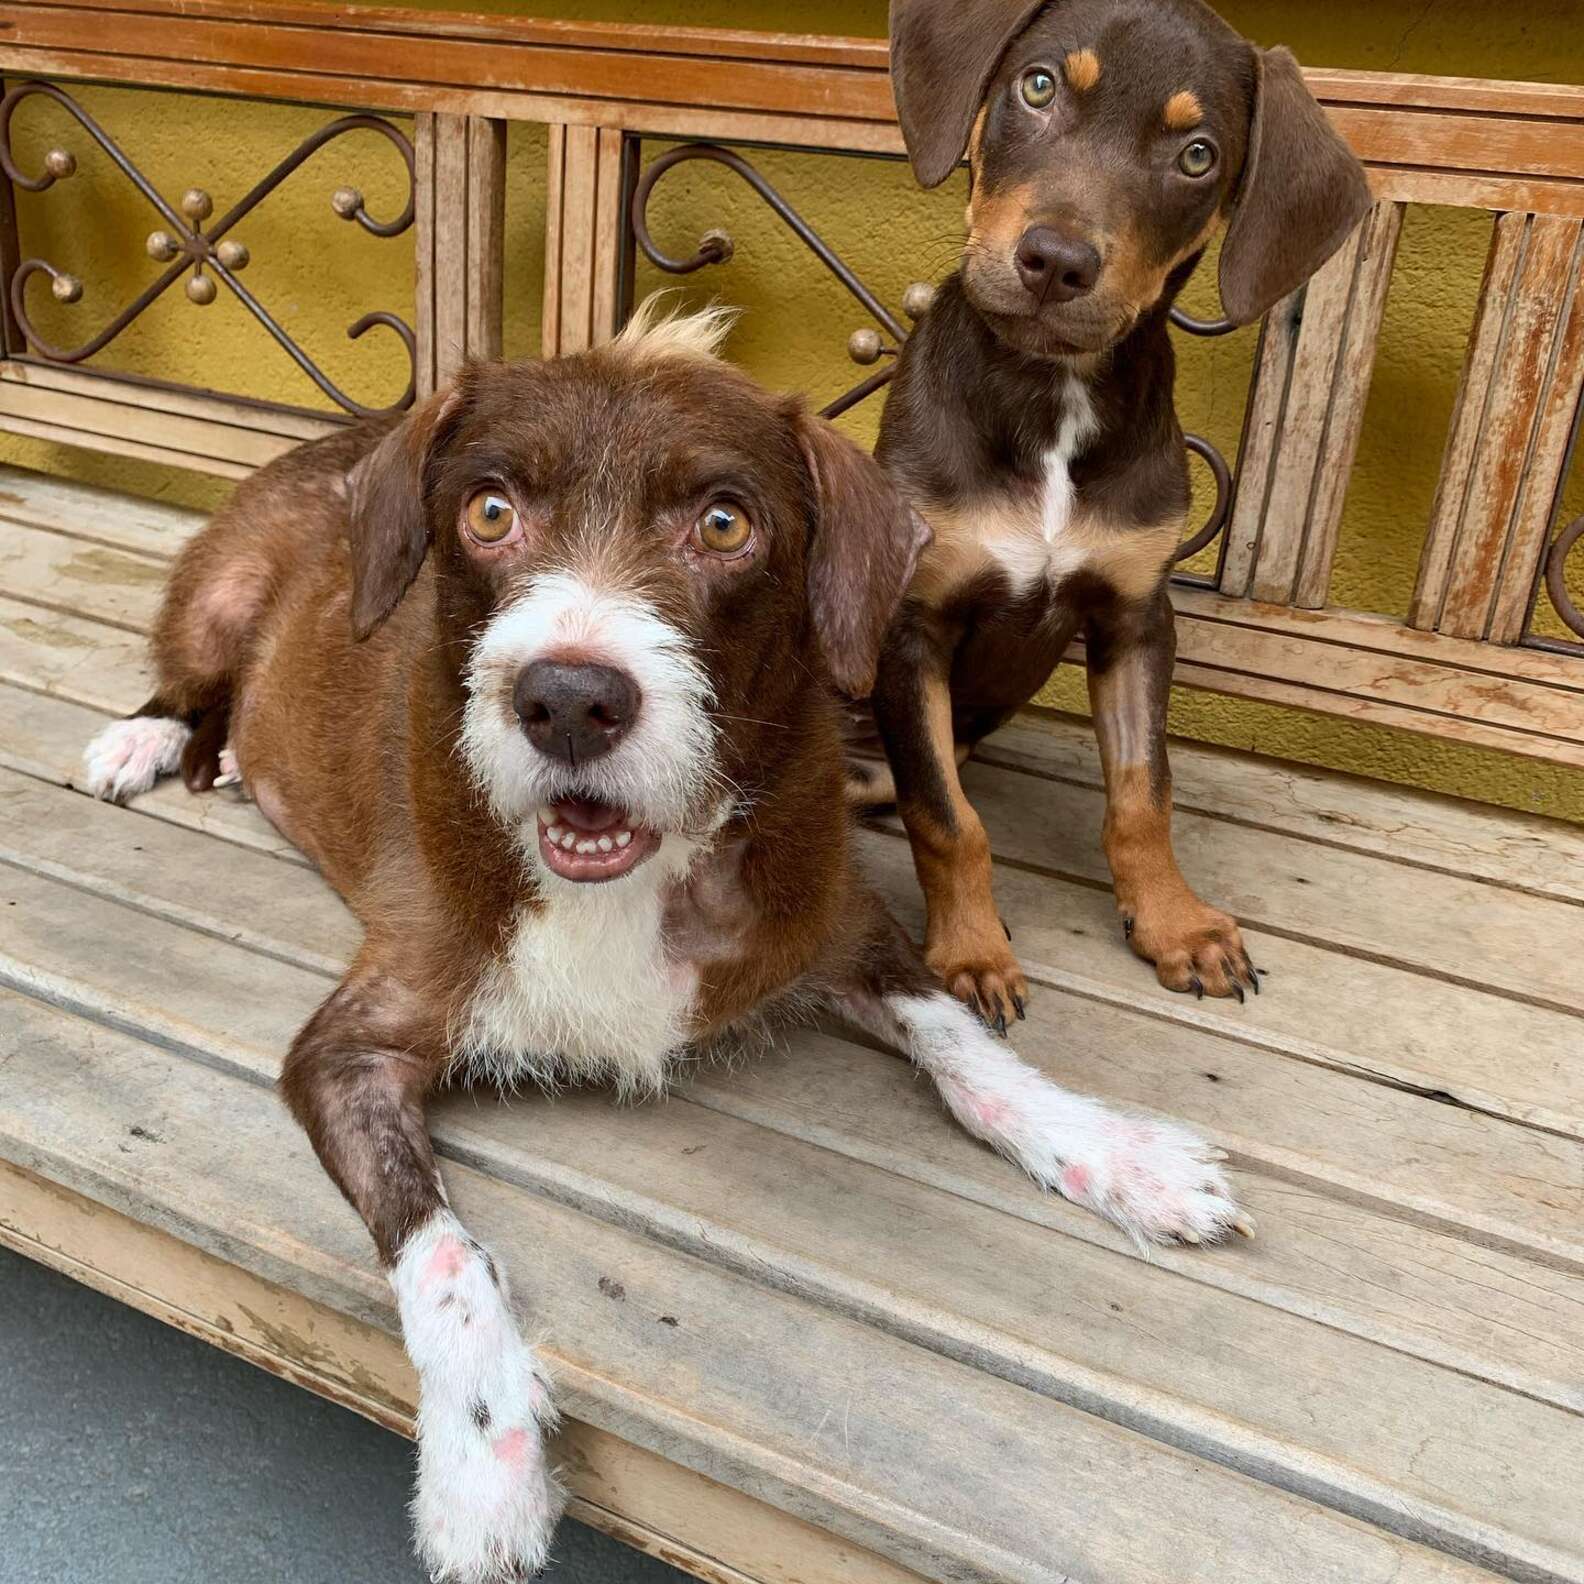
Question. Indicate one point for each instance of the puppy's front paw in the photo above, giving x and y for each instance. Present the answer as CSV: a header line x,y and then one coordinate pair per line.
x,y
981,970
1195,947
487,1503
1159,1182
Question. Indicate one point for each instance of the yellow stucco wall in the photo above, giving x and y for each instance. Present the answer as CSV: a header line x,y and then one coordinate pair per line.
x,y
318,274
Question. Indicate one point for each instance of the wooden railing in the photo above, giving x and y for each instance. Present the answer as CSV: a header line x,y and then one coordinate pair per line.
x,y
1467,663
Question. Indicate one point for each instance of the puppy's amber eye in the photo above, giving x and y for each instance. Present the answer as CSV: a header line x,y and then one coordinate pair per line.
x,y
1198,159
1038,88
723,530
490,517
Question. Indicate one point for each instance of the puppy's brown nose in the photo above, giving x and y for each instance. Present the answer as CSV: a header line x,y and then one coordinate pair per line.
x,y
1056,268
575,712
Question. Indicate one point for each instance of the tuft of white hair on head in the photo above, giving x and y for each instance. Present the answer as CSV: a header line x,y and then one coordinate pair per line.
x,y
659,330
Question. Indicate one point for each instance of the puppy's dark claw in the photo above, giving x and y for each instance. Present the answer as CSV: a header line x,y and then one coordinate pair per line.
x,y
1017,1002
1005,931
1000,1024
1198,987
1127,929
1237,990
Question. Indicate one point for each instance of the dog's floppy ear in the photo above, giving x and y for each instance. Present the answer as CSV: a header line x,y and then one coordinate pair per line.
x,y
1301,195
388,516
866,543
943,55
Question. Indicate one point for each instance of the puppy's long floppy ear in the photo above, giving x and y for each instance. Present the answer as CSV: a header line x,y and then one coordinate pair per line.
x,y
943,55
388,517
1302,193
866,543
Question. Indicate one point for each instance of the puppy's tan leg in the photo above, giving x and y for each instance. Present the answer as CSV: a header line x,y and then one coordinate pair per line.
x,y
965,942
1193,945
357,1078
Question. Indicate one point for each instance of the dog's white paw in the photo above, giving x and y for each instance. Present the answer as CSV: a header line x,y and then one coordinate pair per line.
x,y
487,1503
1159,1182
129,756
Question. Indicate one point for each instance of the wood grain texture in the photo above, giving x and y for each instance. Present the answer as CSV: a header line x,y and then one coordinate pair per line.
x,y
931,1286
588,190
1516,403
821,1435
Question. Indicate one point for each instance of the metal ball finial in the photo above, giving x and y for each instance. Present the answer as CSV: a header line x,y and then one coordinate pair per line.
x,y
201,290
60,163
196,204
66,288
863,346
234,255
718,245
162,246
346,201
917,298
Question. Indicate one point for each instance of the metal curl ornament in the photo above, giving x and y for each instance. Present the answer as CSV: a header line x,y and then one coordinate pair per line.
x,y
182,243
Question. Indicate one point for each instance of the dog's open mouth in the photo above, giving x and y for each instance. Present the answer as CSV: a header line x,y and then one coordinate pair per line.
x,y
582,839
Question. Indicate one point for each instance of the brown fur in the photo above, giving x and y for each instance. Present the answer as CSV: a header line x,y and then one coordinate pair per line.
x,y
329,611
1002,363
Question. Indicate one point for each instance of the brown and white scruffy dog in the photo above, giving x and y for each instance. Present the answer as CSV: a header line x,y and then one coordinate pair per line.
x,y
542,678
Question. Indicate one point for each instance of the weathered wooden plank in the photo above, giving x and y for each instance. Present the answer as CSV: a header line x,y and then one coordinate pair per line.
x,y
1519,393
1185,1366
461,203
225,436
587,193
1355,368
229,1191
1523,851
120,588
707,1529
1355,1157
107,517
1369,668
73,658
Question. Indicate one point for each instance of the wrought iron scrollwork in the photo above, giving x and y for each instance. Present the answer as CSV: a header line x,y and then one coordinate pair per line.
x,y
183,244
1556,576
867,346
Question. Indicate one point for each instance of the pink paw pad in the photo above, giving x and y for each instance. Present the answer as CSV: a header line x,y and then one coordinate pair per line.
x,y
1075,1182
989,1112
511,1448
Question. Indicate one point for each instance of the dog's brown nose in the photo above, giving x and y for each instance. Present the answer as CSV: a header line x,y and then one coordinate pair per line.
x,y
1056,268
575,712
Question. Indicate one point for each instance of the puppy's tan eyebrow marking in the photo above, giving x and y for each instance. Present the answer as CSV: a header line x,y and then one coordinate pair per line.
x,y
1183,111
1083,70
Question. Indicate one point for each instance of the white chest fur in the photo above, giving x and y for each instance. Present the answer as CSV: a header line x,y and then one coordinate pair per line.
x,y
585,990
1036,545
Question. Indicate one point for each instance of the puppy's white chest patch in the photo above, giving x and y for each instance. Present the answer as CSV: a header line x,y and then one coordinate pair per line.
x,y
1034,546
585,990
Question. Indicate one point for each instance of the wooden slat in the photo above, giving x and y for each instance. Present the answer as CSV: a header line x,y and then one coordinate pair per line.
x,y
823,1433
461,180
1369,668
1522,851
1519,393
588,192
102,516
1509,146
928,1285
1461,1165
222,435
707,1529
1305,417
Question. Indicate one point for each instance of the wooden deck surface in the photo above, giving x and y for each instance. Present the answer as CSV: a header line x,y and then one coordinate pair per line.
x,y
809,1331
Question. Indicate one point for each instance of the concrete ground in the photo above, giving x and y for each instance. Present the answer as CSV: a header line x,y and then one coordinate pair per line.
x,y
132,1453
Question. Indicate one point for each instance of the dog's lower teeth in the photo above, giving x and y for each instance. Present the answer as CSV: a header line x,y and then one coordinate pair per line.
x,y
587,847
605,844
569,841
623,839
554,834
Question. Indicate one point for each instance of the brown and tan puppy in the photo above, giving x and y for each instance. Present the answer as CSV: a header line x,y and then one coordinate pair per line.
x,y
1031,419
542,678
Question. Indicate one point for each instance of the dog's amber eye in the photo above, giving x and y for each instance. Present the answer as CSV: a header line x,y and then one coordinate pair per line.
x,y
1038,88
490,517
1198,159
723,530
